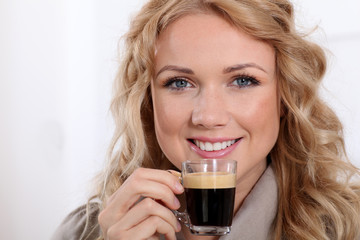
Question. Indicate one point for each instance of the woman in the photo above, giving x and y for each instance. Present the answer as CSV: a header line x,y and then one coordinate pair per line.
x,y
222,79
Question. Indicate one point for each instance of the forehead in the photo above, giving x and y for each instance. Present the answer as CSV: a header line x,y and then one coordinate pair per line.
x,y
209,35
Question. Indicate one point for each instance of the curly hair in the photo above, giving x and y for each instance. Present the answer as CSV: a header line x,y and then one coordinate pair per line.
x,y
317,199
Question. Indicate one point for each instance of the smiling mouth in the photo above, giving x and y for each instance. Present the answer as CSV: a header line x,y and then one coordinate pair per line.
x,y
210,147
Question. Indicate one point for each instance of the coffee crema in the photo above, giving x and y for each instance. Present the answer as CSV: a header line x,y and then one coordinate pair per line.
x,y
209,180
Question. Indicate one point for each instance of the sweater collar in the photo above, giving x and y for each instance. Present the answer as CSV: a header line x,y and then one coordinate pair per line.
x,y
255,217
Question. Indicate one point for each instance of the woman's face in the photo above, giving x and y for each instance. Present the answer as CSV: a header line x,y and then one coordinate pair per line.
x,y
215,94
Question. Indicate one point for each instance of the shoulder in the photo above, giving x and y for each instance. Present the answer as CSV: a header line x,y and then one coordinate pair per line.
x,y
74,224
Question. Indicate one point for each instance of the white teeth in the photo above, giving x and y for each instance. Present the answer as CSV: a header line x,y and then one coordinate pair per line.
x,y
202,146
217,146
209,147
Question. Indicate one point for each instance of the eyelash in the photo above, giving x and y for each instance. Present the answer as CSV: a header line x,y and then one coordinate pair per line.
x,y
251,81
170,81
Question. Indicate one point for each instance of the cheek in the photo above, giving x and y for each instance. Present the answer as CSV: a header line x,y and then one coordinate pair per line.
x,y
266,119
169,116
262,120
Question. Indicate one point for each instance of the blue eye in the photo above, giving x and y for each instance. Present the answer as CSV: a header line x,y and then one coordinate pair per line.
x,y
177,84
245,81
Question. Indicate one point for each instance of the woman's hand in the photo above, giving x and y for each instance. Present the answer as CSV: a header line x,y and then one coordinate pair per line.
x,y
140,208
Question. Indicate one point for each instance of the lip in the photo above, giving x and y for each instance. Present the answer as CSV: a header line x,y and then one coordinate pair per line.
x,y
213,154
213,140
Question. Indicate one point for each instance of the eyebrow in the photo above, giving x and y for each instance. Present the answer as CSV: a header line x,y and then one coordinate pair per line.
x,y
175,69
242,66
226,70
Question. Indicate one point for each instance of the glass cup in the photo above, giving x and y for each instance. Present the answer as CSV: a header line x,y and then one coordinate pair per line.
x,y
210,193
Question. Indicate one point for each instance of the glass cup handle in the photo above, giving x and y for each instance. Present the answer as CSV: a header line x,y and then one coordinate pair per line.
x,y
182,217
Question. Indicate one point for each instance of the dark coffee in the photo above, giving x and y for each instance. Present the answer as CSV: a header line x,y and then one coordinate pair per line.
x,y
210,207
210,198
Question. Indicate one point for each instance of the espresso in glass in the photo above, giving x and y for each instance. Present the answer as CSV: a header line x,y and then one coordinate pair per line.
x,y
210,192
210,198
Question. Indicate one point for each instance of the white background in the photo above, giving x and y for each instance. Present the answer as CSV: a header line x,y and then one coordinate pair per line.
x,y
57,63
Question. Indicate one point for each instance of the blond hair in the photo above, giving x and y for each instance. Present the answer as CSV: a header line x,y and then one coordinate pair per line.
x,y
316,198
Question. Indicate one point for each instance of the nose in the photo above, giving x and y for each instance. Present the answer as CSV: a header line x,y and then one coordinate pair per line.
x,y
210,109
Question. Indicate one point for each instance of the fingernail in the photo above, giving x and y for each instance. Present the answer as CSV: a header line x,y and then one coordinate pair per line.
x,y
176,202
179,187
178,226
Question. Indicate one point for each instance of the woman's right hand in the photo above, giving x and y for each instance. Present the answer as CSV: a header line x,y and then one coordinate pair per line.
x,y
140,208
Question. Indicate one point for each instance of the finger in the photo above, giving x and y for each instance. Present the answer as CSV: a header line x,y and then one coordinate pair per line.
x,y
156,175
155,225
130,195
157,184
145,209
149,228
151,189
175,173
143,182
155,237
169,178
